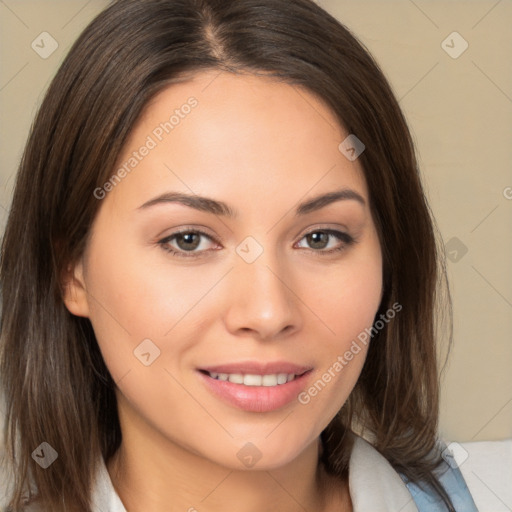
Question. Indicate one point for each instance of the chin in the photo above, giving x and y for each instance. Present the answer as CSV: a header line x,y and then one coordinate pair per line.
x,y
262,454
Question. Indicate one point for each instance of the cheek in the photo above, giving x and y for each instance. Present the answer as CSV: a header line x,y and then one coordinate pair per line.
x,y
341,355
128,302
146,289
138,313
346,304
347,299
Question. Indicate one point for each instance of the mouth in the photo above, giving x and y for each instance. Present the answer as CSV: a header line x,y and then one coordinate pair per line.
x,y
256,387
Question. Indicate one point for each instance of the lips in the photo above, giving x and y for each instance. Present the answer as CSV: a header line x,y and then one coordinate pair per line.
x,y
256,387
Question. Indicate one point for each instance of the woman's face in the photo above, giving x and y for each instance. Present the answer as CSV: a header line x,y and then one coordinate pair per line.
x,y
263,287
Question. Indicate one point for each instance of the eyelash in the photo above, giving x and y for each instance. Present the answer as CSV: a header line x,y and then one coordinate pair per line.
x,y
340,235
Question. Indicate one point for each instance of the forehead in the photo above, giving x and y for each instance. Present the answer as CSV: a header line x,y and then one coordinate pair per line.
x,y
229,134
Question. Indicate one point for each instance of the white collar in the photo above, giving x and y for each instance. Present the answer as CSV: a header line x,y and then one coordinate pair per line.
x,y
374,485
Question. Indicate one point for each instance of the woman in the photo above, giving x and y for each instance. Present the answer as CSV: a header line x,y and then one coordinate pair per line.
x,y
219,274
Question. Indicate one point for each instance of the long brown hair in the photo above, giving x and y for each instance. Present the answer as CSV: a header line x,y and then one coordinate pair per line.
x,y
57,387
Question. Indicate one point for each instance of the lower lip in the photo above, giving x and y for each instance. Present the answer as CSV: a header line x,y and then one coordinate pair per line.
x,y
256,398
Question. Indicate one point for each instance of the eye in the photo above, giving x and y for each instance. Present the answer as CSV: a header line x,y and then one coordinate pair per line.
x,y
320,238
186,241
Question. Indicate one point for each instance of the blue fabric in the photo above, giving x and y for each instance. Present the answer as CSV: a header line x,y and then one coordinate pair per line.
x,y
450,477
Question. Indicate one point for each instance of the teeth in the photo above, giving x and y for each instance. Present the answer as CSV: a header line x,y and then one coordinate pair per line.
x,y
236,378
282,378
254,380
269,380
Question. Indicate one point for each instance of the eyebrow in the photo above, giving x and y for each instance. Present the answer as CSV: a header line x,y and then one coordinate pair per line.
x,y
209,205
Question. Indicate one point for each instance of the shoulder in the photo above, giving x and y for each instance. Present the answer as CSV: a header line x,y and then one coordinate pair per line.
x,y
373,480
450,477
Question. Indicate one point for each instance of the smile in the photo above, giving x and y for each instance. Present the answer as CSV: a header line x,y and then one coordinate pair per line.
x,y
256,387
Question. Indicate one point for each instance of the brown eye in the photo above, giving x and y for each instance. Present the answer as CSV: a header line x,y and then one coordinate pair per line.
x,y
185,243
188,241
318,240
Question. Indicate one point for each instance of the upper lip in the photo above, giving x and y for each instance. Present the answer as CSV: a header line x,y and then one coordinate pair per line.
x,y
257,368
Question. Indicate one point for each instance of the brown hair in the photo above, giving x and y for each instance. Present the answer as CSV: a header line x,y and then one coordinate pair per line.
x,y
56,384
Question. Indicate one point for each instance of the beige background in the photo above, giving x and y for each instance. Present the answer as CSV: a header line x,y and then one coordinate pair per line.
x,y
460,113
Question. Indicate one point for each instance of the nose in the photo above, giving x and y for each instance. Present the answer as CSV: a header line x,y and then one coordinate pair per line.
x,y
263,301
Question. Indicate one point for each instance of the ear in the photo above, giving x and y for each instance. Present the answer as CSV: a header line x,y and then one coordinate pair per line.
x,y
74,291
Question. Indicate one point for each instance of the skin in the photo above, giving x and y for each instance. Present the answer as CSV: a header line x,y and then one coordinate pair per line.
x,y
261,146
